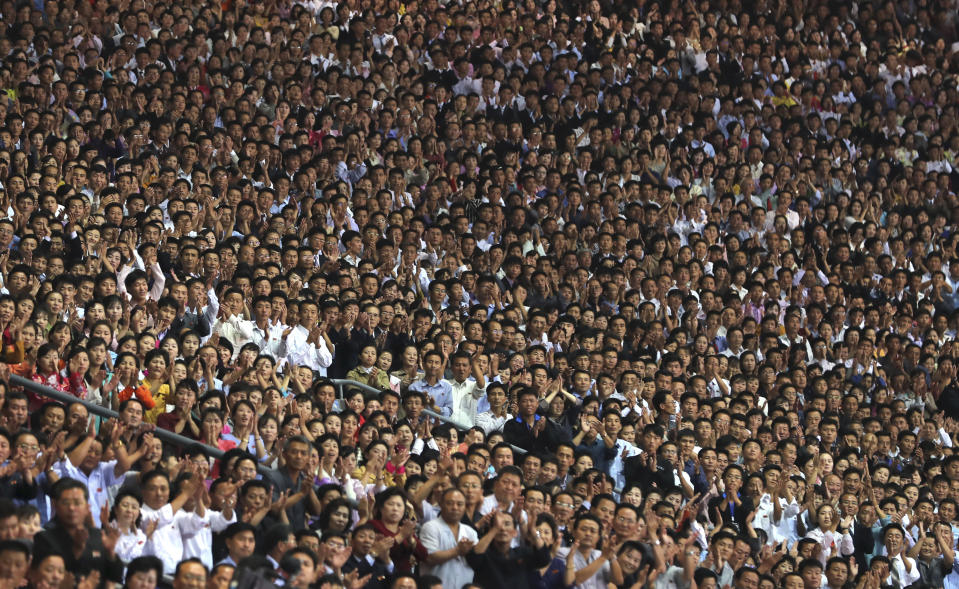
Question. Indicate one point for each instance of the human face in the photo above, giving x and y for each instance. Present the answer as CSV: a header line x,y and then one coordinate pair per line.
x,y
507,487
72,508
927,549
307,572
142,580
132,414
212,425
625,522
13,566
255,499
472,488
794,582
221,577
244,470
454,506
340,518
725,547
54,418
634,497
127,510
191,575
241,545
393,510
50,573
156,493
243,416
893,541
587,533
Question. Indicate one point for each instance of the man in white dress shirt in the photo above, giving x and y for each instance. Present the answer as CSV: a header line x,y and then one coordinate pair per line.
x,y
83,464
467,390
171,522
266,335
448,540
306,344
903,571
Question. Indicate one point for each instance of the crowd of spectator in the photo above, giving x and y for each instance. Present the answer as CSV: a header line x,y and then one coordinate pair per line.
x,y
479,294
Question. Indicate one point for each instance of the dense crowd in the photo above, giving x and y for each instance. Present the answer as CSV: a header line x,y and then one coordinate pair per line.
x,y
480,294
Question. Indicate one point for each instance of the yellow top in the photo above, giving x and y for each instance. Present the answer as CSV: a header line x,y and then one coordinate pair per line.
x,y
160,398
369,478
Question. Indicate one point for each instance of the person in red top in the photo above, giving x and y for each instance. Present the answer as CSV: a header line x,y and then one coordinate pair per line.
x,y
211,430
392,521
181,419
10,326
47,372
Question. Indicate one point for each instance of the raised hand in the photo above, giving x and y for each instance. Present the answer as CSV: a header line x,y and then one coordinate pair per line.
x,y
280,503
382,547
338,558
110,535
573,549
464,546
406,530
353,580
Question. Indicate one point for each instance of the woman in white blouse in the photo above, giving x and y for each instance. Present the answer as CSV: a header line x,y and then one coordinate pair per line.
x,y
126,514
832,534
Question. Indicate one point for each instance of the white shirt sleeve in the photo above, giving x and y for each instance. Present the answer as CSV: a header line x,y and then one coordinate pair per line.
x,y
324,358
430,537
162,516
218,523
189,523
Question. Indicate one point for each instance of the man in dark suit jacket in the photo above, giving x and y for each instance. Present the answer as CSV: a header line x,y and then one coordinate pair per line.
x,y
529,431
369,557
863,541
649,472
84,548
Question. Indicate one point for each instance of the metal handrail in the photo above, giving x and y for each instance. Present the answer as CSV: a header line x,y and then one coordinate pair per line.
x,y
341,383
164,434
182,441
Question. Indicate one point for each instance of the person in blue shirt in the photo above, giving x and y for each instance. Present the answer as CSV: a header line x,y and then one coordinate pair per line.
x,y
439,392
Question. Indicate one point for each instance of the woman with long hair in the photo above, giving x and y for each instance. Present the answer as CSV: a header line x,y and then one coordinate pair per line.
x,y
337,516
244,424
47,372
267,440
832,533
409,371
